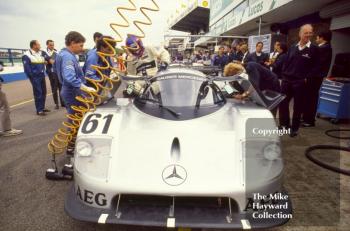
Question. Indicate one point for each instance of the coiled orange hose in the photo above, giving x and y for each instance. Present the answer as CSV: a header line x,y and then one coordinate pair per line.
x,y
66,135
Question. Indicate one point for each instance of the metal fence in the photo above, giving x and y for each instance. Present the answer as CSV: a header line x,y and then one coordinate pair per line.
x,y
10,56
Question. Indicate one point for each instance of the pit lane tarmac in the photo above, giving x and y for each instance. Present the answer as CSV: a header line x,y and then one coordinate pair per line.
x,y
321,199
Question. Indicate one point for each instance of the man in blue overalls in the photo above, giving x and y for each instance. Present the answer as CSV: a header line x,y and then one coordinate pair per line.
x,y
69,71
34,67
97,36
94,60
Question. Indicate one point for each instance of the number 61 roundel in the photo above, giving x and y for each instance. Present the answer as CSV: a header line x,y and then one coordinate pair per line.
x,y
94,121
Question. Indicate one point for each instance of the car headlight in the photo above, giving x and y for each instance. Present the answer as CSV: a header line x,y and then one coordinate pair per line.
x,y
83,149
272,151
92,155
262,161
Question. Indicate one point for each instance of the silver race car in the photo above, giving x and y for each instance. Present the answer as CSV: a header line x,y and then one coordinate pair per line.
x,y
183,153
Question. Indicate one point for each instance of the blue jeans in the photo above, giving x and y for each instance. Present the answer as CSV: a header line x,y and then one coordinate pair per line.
x,y
68,95
39,91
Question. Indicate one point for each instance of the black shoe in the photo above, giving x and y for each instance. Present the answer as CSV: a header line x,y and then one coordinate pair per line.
x,y
68,170
293,134
41,113
57,107
46,110
70,151
308,125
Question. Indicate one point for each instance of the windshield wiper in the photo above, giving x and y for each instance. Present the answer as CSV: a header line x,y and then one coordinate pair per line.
x,y
144,100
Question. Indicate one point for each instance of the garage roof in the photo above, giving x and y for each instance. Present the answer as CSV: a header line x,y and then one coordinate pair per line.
x,y
194,21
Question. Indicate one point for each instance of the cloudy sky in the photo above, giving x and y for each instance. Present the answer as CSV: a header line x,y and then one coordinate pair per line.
x,y
24,20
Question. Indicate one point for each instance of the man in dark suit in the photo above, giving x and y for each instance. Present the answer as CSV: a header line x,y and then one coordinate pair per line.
x,y
258,56
277,64
56,86
235,54
313,84
302,63
244,53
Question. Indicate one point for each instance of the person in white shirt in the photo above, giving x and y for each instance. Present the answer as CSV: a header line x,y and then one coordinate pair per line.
x,y
245,52
274,54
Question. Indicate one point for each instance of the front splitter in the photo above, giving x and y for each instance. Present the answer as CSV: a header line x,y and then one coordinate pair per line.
x,y
184,216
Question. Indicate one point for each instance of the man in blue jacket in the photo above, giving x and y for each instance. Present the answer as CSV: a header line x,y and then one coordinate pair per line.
x,y
94,60
221,59
34,67
97,36
69,71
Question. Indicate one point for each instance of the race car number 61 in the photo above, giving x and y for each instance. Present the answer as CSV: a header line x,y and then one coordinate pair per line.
x,y
92,122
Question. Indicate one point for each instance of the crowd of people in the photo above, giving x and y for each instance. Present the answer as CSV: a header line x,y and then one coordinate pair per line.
x,y
299,72
68,78
296,72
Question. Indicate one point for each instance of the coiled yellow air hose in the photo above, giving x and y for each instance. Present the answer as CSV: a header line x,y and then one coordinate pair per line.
x,y
65,136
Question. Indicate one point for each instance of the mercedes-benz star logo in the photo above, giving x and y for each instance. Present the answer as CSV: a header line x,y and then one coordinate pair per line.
x,y
174,175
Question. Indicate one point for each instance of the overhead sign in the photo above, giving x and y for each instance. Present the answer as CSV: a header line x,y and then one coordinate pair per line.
x,y
219,8
235,18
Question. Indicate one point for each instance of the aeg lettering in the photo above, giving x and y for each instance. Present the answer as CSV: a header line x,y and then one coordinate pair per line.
x,y
90,198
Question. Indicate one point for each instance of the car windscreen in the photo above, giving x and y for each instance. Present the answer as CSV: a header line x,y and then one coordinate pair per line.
x,y
181,90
